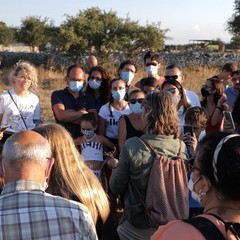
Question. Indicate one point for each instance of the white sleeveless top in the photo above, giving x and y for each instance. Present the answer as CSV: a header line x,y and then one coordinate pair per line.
x,y
92,151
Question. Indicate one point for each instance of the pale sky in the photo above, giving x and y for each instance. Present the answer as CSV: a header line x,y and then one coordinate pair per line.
x,y
186,19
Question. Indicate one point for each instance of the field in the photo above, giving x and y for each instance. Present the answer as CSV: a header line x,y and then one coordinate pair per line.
x,y
53,80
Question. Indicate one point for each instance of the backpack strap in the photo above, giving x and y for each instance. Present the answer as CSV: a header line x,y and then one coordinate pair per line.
x,y
207,228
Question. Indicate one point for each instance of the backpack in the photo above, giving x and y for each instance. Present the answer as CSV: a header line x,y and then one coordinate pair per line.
x,y
167,189
210,231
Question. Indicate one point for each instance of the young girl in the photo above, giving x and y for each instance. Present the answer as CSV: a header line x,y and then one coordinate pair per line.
x,y
91,144
111,112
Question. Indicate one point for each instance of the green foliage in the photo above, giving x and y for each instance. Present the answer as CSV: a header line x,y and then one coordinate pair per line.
x,y
6,34
33,31
103,32
233,24
235,42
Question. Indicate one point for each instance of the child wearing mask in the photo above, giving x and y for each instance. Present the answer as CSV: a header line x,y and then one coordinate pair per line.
x,y
91,144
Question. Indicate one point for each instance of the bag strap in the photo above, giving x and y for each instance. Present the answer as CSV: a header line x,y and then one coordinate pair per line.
x,y
18,110
207,228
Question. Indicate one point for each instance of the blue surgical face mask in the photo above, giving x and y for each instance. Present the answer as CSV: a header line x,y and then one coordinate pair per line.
x,y
136,108
119,94
94,84
127,76
76,86
88,133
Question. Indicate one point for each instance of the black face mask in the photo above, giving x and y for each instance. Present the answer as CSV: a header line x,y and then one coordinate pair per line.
x,y
205,92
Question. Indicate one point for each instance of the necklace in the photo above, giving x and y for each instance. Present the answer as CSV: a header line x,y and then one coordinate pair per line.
x,y
90,139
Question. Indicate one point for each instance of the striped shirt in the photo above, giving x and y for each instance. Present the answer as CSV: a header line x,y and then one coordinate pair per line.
x,y
27,212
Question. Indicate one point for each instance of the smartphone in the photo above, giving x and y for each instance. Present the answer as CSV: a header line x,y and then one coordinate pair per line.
x,y
228,117
188,130
3,129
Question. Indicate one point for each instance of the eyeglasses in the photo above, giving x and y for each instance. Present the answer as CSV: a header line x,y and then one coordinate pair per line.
x,y
95,78
236,78
172,90
133,100
173,77
118,88
151,63
192,168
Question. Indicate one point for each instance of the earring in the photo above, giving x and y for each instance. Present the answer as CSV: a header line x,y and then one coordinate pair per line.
x,y
200,194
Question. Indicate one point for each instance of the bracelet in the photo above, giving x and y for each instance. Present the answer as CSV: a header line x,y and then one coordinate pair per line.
x,y
219,108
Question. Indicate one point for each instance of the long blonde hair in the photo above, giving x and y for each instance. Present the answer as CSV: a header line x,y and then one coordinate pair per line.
x,y
70,177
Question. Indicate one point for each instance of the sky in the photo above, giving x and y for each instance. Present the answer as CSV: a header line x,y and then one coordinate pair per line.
x,y
186,19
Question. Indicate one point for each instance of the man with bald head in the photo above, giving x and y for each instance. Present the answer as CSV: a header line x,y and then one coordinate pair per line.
x,y
91,62
26,210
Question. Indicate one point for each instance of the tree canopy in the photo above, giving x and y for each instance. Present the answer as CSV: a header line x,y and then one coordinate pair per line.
x,y
6,34
91,30
233,24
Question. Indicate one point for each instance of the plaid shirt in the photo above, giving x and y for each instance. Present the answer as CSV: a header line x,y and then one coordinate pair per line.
x,y
27,212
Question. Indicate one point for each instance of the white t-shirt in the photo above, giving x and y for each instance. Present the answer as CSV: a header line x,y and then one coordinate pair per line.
x,y
111,128
29,107
192,98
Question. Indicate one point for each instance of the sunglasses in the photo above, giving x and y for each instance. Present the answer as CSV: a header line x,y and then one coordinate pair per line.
x,y
151,63
192,168
173,77
133,100
172,90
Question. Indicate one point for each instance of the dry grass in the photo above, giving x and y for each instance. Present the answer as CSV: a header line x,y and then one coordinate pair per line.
x,y
52,80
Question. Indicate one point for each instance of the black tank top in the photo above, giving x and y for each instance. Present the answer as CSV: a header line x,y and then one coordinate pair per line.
x,y
131,131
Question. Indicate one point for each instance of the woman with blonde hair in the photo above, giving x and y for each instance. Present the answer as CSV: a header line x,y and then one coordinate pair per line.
x,y
70,177
19,107
131,174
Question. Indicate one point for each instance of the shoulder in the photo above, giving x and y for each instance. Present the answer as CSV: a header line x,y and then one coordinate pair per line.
x,y
62,203
175,230
191,93
59,92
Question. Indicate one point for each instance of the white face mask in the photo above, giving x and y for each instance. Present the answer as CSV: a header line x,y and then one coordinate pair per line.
x,y
152,70
76,86
191,184
176,99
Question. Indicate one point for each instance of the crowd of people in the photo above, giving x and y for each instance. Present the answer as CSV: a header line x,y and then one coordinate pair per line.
x,y
66,180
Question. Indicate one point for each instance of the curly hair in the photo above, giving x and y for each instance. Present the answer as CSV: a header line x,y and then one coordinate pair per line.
x,y
70,177
160,113
29,68
105,85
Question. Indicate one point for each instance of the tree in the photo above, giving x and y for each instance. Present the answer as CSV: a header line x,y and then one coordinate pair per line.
x,y
103,32
6,34
33,31
233,24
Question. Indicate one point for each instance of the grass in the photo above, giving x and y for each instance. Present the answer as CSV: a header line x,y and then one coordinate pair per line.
x,y
50,80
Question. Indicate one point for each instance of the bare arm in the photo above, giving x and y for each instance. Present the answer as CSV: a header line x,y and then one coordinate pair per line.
x,y
69,115
1,133
101,126
218,113
122,132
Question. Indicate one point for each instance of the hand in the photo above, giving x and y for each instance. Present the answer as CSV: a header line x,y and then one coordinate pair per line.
x,y
193,144
82,111
112,162
222,100
1,135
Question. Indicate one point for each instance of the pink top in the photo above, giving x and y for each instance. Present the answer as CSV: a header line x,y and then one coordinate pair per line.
x,y
178,229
